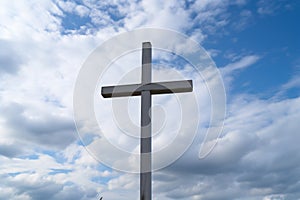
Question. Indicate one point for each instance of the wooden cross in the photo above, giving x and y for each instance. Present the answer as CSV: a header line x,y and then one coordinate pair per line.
x,y
145,90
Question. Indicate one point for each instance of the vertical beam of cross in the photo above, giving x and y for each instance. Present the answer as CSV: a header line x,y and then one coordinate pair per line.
x,y
146,89
146,146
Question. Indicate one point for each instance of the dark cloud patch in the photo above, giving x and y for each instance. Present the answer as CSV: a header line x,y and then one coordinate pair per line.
x,y
43,191
9,150
225,158
10,58
37,188
47,129
70,193
32,186
73,191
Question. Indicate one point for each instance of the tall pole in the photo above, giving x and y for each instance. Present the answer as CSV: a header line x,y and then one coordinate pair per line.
x,y
146,146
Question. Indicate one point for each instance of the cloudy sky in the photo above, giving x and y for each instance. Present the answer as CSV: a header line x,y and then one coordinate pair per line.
x,y
254,44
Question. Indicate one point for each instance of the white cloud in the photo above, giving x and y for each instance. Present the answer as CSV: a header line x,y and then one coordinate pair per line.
x,y
44,176
28,19
294,82
241,64
67,6
267,7
82,10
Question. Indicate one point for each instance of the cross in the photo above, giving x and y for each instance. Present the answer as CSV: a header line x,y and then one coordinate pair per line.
x,y
145,90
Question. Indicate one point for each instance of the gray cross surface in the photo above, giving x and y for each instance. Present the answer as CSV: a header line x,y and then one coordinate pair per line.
x,y
145,90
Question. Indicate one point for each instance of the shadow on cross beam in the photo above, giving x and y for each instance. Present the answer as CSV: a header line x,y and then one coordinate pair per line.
x,y
154,88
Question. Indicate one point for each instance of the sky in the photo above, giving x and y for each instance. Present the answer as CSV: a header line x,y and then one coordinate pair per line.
x,y
255,47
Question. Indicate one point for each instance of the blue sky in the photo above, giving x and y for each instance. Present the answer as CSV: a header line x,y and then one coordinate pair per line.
x,y
254,44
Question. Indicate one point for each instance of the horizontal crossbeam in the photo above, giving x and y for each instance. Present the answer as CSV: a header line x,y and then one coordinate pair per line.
x,y
154,88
